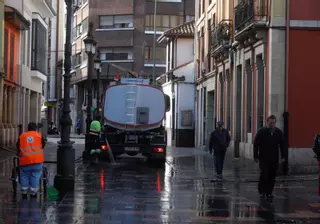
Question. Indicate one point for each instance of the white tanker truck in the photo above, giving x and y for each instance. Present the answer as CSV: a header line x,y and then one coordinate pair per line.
x,y
133,114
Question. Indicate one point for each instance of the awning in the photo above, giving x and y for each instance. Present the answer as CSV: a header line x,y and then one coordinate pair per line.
x,y
14,17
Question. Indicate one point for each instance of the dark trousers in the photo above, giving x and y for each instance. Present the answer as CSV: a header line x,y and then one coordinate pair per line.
x,y
268,172
219,156
78,131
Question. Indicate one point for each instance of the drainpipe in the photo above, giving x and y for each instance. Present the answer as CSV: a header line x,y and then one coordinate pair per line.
x,y
195,106
285,166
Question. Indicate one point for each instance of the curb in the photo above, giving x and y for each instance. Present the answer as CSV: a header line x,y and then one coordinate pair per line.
x,y
71,137
257,180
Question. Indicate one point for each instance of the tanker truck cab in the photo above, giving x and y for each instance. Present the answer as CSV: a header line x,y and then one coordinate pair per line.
x,y
134,112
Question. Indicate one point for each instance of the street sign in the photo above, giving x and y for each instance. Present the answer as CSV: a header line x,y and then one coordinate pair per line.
x,y
135,81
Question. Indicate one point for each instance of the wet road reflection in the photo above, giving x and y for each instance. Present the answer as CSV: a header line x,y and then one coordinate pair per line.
x,y
181,191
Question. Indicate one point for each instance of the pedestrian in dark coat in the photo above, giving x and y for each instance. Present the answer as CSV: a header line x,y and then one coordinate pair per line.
x,y
219,142
267,143
316,146
316,150
78,126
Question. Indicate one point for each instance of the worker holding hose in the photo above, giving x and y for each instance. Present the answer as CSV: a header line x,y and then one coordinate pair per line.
x,y
94,141
30,150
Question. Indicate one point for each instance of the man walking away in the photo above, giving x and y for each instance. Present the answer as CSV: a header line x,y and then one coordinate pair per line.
x,y
219,142
30,148
267,142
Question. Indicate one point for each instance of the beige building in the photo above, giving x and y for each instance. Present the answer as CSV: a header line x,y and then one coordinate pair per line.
x,y
231,56
25,50
250,65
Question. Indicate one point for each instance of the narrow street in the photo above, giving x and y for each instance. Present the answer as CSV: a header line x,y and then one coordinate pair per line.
x,y
182,191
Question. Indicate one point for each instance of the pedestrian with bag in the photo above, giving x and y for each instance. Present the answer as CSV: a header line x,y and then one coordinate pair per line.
x,y
31,158
267,143
218,145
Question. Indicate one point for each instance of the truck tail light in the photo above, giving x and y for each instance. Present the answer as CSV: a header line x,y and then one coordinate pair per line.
x,y
158,150
104,147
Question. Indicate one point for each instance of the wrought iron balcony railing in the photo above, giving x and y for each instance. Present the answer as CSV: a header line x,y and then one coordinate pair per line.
x,y
248,11
221,34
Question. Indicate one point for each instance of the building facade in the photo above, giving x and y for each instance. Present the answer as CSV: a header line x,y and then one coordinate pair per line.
x,y
24,64
124,31
178,82
56,41
255,66
206,13
1,66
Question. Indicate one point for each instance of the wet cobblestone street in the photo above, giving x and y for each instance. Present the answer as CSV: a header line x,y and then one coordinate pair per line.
x,y
182,191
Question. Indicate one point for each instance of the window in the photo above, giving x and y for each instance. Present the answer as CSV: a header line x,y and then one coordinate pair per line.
x,y
85,25
163,22
119,21
202,6
76,59
221,97
23,47
160,55
28,47
12,38
116,54
189,18
74,33
39,47
229,105
82,2
164,0
5,59
209,45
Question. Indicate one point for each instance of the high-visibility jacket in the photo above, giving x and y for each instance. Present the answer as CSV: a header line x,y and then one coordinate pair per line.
x,y
31,151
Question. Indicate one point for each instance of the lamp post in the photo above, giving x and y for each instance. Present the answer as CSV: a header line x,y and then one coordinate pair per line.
x,y
65,177
97,66
154,43
90,49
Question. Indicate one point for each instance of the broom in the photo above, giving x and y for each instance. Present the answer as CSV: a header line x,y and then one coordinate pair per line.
x,y
52,192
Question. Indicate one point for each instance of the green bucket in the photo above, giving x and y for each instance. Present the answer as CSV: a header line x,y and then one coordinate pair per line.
x,y
53,193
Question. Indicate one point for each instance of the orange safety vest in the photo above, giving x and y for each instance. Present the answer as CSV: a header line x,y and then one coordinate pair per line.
x,y
31,151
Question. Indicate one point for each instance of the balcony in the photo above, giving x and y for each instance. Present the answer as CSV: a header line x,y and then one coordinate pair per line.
x,y
221,36
250,13
115,37
45,8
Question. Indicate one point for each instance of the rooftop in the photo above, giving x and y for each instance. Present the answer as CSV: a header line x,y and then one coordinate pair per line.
x,y
184,30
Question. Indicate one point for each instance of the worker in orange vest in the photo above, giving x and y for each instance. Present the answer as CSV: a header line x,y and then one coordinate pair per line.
x,y
30,146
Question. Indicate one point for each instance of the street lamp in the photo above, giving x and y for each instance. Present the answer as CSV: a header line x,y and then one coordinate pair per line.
x,y
97,66
154,43
90,49
65,177
90,45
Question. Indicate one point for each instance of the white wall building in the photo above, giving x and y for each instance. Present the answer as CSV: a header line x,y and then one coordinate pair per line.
x,y
56,43
178,83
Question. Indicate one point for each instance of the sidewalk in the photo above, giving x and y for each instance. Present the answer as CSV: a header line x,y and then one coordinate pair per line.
x,y
181,191
72,136
235,170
